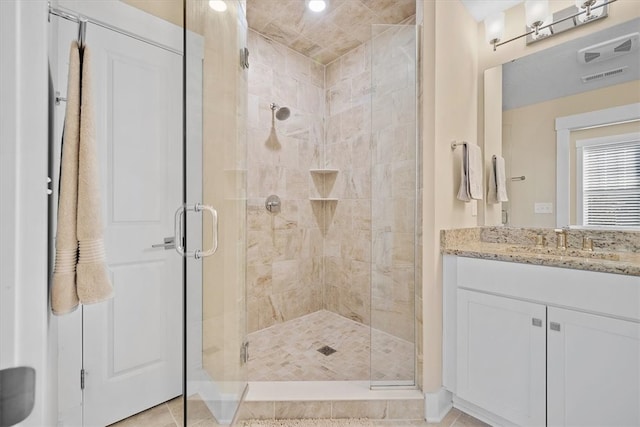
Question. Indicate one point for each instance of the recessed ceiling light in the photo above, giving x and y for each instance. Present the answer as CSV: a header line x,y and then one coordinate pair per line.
x,y
218,5
317,5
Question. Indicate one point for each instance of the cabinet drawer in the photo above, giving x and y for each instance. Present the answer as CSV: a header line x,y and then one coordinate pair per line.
x,y
600,293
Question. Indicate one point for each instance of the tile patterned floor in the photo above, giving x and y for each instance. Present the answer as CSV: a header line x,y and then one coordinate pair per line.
x,y
169,414
289,351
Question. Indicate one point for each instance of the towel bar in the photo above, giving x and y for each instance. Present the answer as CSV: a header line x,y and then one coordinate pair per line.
x,y
456,144
518,178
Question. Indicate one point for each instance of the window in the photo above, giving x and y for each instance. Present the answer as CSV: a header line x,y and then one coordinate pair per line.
x,y
608,181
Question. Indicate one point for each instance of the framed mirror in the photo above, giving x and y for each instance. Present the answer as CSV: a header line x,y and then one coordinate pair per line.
x,y
582,93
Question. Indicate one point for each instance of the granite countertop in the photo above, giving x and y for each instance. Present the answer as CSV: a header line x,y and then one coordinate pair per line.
x,y
481,243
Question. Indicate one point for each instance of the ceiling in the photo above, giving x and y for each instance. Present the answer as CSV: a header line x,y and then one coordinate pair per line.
x,y
555,72
327,35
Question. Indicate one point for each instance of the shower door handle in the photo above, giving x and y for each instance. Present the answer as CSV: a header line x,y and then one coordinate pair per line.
x,y
179,227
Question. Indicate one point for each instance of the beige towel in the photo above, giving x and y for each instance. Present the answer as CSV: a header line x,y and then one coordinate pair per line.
x,y
79,224
471,173
92,278
64,298
497,181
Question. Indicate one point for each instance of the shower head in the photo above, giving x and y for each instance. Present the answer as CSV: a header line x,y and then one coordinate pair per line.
x,y
282,113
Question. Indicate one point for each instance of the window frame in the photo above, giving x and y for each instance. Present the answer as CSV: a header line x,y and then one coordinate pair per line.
x,y
579,148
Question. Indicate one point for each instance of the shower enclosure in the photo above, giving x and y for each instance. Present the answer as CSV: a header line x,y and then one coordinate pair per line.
x,y
195,135
331,277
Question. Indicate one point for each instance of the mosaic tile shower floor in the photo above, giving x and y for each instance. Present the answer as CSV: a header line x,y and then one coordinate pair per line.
x,y
289,351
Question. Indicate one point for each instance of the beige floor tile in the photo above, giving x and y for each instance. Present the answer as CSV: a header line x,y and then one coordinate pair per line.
x,y
465,420
289,351
158,416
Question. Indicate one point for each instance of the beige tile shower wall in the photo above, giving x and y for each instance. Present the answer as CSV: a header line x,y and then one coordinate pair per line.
x,y
347,249
284,258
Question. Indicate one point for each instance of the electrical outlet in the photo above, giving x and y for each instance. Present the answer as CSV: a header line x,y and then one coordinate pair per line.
x,y
543,208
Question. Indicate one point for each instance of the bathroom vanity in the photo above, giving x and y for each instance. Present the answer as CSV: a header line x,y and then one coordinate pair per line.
x,y
535,337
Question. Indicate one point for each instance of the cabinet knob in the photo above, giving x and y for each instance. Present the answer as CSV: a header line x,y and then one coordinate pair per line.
x,y
554,326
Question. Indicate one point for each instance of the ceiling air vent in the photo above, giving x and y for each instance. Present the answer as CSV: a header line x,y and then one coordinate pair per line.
x,y
610,49
603,75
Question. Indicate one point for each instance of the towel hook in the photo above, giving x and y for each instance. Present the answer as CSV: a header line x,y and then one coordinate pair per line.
x,y
82,32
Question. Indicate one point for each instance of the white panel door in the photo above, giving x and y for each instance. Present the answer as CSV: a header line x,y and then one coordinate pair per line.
x,y
501,356
593,370
132,345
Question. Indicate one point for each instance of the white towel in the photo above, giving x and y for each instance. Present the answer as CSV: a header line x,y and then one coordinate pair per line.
x,y
471,173
501,180
497,181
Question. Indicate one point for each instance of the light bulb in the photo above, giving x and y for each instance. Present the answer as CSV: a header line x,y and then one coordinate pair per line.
x,y
536,11
218,5
590,6
494,28
317,5
582,4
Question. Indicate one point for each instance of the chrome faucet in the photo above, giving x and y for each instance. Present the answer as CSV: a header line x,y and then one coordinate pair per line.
x,y
561,238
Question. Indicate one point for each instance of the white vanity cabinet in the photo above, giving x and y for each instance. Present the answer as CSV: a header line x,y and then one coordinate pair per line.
x,y
593,370
502,355
529,345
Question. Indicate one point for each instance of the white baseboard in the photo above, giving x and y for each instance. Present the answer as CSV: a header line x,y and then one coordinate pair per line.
x,y
481,414
437,405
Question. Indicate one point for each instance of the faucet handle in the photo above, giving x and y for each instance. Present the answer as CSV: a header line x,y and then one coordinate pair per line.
x,y
561,238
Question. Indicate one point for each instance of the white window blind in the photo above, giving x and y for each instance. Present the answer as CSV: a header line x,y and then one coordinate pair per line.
x,y
611,183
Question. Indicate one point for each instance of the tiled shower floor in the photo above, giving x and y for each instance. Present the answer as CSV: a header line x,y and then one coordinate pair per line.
x,y
289,351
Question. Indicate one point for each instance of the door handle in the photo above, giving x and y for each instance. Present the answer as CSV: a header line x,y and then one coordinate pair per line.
x,y
179,226
169,243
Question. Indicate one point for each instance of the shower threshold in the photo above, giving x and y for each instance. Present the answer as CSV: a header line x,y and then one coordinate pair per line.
x,y
331,399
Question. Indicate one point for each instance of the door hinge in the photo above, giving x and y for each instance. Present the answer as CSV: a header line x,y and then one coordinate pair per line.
x,y
244,353
81,379
244,58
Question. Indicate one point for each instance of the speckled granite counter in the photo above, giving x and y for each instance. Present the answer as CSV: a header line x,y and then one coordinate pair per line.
x,y
615,252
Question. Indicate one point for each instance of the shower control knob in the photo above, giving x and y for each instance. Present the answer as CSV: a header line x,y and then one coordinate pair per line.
x,y
273,204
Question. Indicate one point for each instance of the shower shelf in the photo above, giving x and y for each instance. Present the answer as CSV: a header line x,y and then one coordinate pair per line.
x,y
323,171
323,199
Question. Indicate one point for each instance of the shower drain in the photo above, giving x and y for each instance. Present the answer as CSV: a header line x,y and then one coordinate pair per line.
x,y
326,350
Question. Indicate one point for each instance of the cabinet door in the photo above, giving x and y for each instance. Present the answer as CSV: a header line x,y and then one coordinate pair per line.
x,y
501,356
593,370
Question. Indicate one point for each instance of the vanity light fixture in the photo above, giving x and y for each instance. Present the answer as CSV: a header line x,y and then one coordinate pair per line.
x,y
540,23
317,5
218,5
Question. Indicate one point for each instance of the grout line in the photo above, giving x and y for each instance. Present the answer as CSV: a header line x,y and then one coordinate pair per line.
x,y
171,414
455,419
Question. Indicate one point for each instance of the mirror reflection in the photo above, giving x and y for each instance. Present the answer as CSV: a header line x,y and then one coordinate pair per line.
x,y
572,83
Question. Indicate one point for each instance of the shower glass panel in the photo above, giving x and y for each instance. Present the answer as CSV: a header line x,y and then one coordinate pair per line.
x,y
394,202
216,106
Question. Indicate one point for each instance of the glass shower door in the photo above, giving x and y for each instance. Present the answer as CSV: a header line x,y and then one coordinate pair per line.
x,y
395,202
215,313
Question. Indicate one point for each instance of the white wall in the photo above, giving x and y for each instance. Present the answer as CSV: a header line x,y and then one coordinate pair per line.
x,y
24,312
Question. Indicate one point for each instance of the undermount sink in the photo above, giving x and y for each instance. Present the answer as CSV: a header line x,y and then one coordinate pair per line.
x,y
576,253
